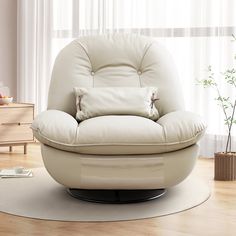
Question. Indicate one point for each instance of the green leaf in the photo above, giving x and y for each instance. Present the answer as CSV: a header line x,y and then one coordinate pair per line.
x,y
219,99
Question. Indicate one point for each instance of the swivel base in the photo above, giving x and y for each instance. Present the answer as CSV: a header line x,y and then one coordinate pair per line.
x,y
116,196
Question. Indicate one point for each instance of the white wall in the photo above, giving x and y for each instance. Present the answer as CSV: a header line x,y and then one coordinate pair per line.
x,y
8,42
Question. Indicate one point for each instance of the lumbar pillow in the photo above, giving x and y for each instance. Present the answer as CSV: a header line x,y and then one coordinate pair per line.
x,y
92,102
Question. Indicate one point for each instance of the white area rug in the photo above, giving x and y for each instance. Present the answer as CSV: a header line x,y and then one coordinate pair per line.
x,y
41,197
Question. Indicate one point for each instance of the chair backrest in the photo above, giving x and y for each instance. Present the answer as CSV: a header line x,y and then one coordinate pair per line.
x,y
122,60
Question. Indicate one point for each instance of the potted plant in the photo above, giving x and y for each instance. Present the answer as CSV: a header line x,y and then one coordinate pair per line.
x,y
225,161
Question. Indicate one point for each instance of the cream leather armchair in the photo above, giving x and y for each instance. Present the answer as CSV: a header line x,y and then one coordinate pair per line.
x,y
117,158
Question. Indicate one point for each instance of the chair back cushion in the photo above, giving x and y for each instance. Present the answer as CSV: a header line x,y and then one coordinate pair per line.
x,y
117,60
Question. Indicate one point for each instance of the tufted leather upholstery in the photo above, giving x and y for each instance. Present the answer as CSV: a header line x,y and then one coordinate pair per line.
x,y
110,61
118,60
101,152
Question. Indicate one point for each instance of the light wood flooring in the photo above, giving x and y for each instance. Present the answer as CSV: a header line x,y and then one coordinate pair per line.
x,y
215,217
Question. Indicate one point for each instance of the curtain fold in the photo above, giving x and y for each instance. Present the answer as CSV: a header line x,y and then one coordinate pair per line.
x,y
34,34
197,33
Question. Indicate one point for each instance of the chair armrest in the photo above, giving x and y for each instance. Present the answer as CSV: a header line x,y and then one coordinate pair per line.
x,y
55,125
182,126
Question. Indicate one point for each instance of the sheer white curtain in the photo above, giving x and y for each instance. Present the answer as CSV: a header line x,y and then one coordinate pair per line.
x,y
34,38
197,33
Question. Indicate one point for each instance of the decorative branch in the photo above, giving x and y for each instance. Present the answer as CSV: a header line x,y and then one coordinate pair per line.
x,y
230,127
224,102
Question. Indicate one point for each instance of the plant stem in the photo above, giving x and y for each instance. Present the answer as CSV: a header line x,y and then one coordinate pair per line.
x,y
231,123
230,127
222,105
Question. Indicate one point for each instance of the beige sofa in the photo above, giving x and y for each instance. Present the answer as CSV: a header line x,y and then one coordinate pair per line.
x,y
117,152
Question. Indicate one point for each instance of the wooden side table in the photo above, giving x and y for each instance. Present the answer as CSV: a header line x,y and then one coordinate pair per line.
x,y
15,121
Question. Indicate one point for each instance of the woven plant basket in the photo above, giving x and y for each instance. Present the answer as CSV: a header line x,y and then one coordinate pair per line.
x,y
225,166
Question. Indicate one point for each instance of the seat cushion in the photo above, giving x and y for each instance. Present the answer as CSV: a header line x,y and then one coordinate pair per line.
x,y
117,135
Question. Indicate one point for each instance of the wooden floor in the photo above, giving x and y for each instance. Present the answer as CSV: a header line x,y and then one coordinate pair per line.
x,y
215,217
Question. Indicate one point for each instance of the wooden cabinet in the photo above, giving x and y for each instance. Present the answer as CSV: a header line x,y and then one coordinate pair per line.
x,y
15,121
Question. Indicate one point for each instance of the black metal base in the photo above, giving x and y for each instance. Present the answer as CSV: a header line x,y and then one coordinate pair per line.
x,y
116,196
